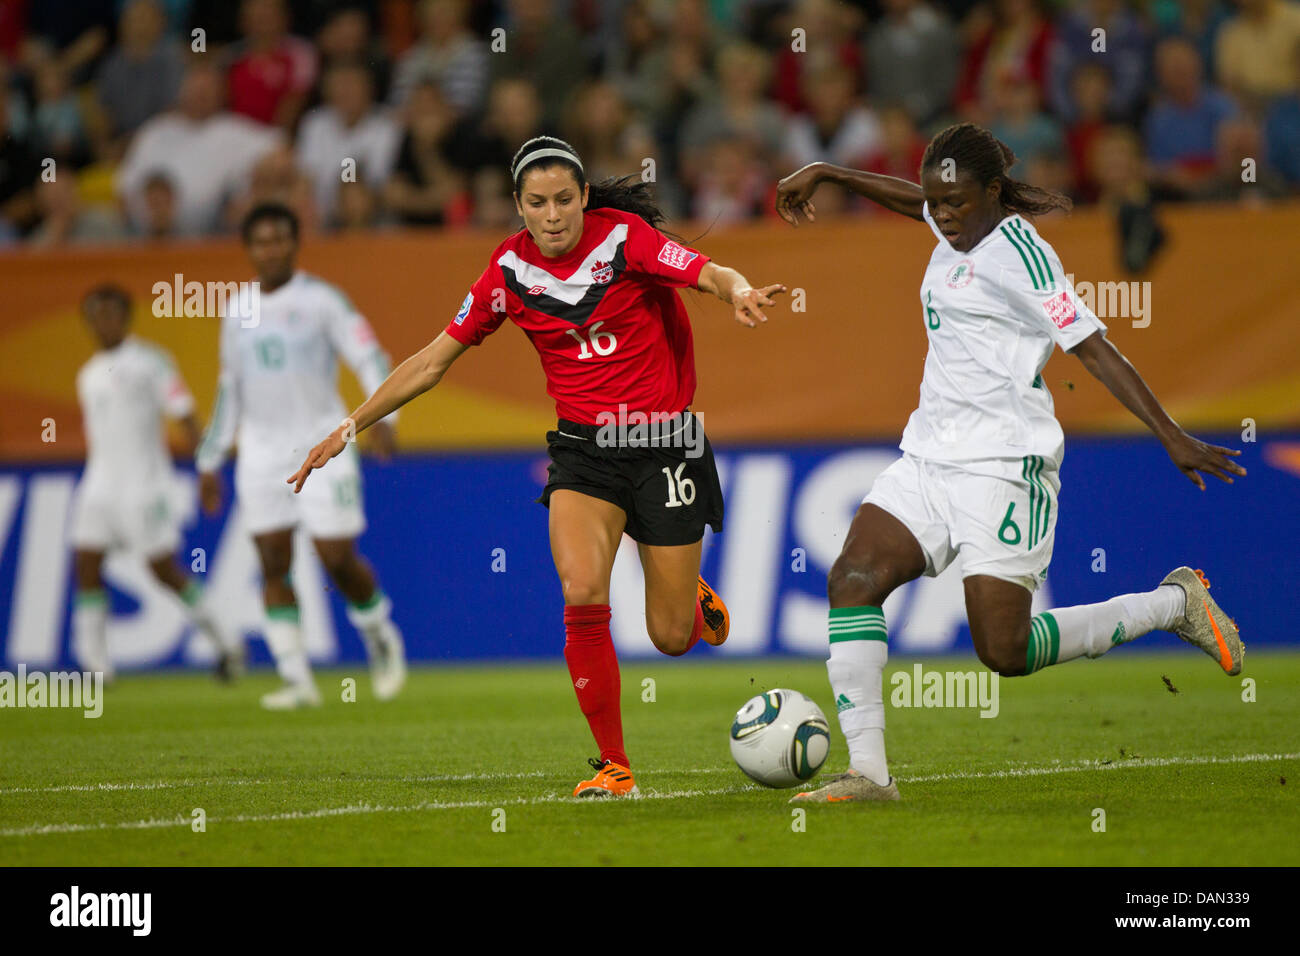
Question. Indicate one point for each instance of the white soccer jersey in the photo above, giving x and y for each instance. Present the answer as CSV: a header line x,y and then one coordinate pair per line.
x,y
278,391
992,316
125,394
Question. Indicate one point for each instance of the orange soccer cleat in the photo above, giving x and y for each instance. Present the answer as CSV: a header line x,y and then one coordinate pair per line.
x,y
717,622
611,780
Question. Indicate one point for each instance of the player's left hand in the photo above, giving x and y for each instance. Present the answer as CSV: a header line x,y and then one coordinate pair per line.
x,y
749,302
381,441
1193,456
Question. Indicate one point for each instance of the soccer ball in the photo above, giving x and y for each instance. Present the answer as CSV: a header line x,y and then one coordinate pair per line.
x,y
780,738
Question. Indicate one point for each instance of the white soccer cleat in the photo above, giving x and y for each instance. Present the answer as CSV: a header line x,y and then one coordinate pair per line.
x,y
388,664
849,786
1203,623
292,697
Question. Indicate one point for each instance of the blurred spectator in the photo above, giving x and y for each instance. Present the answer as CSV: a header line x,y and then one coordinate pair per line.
x,y
901,148
142,74
275,177
610,140
159,208
272,72
1015,40
736,109
65,218
1090,96
912,59
514,116
20,173
448,54
734,184
346,36
828,40
840,129
57,123
494,205
676,73
1118,169
358,206
1282,129
1196,20
1254,49
430,185
1183,122
544,49
1122,49
1238,141
348,138
1018,121
75,31
207,153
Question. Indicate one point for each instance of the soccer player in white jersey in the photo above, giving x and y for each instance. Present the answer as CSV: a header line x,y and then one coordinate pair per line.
x,y
124,499
978,476
278,386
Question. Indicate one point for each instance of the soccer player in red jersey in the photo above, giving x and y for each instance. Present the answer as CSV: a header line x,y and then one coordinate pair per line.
x,y
593,283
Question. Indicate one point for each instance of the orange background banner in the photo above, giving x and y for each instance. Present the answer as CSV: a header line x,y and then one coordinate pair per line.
x,y
1223,342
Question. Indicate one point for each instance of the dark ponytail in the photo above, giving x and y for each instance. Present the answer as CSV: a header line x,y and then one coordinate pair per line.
x,y
625,193
987,158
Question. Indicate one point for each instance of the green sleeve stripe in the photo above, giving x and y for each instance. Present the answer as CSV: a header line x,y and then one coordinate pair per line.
x,y
1024,258
209,436
1042,256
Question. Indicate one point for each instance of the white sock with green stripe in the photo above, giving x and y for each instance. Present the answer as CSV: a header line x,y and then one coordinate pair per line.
x,y
859,650
192,597
90,631
284,638
372,619
1090,630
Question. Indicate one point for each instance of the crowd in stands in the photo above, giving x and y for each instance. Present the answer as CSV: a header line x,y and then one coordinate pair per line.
x,y
160,119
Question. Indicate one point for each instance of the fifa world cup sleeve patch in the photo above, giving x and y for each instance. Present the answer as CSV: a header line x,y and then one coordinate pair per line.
x,y
678,257
1060,310
464,309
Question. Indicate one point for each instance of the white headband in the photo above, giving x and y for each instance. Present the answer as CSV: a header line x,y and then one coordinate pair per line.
x,y
545,153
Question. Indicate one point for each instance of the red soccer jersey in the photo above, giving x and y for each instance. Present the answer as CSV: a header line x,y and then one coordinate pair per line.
x,y
605,317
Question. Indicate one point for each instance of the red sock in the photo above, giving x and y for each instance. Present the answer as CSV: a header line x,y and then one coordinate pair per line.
x,y
696,630
593,665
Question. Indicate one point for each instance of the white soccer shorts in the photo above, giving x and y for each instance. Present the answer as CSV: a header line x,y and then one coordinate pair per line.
x,y
141,519
999,514
329,505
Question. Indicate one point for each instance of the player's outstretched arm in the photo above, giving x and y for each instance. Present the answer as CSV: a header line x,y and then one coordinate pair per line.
x,y
1191,455
419,373
794,193
734,289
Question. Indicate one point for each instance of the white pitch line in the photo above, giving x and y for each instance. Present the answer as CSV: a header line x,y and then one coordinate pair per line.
x,y
1123,763
352,810
236,782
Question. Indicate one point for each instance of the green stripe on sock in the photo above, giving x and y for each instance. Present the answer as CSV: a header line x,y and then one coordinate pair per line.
x,y
1053,636
366,605
1031,651
865,623
283,612
191,593
90,598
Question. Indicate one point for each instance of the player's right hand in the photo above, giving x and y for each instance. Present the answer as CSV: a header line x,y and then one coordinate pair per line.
x,y
210,492
317,458
794,194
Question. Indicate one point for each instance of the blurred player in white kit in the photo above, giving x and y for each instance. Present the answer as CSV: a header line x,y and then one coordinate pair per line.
x,y
124,500
280,347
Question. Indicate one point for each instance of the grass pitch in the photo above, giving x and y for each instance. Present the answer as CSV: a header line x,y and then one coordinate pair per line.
x,y
1197,777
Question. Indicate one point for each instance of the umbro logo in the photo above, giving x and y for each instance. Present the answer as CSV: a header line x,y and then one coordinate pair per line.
x,y
537,290
580,683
